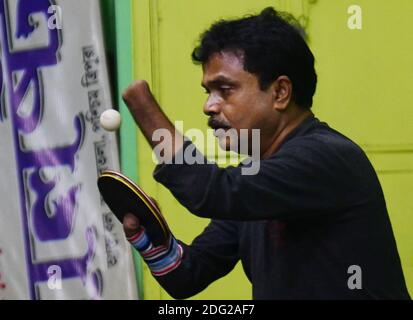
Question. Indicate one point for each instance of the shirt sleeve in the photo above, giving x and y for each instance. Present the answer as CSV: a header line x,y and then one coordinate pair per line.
x,y
300,181
212,255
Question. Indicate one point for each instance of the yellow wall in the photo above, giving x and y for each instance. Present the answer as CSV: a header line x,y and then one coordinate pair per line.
x,y
364,79
364,91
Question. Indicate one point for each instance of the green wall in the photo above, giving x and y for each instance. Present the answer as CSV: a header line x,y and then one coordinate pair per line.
x,y
117,21
363,91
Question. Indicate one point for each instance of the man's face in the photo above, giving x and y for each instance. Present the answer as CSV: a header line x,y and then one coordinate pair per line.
x,y
235,100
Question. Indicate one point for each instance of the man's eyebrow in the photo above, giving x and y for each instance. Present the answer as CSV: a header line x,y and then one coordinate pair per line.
x,y
217,81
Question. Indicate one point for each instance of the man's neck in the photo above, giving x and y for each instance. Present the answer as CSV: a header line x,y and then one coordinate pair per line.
x,y
285,128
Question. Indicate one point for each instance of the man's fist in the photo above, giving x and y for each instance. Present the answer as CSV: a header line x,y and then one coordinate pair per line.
x,y
130,225
161,259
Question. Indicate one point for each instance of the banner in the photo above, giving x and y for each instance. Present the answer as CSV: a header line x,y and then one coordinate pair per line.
x,y
58,239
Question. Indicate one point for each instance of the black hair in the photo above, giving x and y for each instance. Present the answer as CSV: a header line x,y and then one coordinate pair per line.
x,y
272,44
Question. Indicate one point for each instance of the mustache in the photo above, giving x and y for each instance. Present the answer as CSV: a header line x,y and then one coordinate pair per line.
x,y
214,123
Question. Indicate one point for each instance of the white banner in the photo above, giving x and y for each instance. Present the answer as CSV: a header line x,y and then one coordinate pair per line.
x,y
58,240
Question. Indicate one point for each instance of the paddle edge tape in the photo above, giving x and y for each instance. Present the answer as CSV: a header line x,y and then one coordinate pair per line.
x,y
141,194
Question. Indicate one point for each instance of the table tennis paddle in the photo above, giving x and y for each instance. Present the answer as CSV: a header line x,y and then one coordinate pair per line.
x,y
123,196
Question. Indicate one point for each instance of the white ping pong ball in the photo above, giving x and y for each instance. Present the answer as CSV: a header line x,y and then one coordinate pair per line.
x,y
110,120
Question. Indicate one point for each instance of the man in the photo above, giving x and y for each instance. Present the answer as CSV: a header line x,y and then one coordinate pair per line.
x,y
315,208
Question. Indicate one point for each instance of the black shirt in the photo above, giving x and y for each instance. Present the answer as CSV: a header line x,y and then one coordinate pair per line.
x,y
306,226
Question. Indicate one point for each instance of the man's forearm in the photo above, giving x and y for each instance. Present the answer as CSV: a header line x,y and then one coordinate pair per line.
x,y
149,117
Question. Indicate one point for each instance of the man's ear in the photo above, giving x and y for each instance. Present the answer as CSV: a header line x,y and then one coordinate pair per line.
x,y
282,90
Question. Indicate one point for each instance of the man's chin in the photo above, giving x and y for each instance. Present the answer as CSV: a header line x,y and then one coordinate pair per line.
x,y
226,145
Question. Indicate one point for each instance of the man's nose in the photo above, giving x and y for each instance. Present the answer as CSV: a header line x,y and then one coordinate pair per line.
x,y
212,106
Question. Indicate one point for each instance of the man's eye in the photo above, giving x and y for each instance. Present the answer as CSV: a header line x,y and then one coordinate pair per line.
x,y
225,90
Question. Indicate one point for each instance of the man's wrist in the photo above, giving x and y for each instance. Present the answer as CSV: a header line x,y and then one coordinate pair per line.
x,y
161,264
161,259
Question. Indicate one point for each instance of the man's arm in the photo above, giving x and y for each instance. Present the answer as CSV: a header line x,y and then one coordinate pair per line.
x,y
150,117
212,255
299,182
184,270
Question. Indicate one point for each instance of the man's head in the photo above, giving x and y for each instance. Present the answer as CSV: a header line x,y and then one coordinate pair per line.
x,y
255,70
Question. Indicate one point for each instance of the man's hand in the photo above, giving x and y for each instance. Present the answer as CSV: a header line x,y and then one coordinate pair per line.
x,y
131,225
161,259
